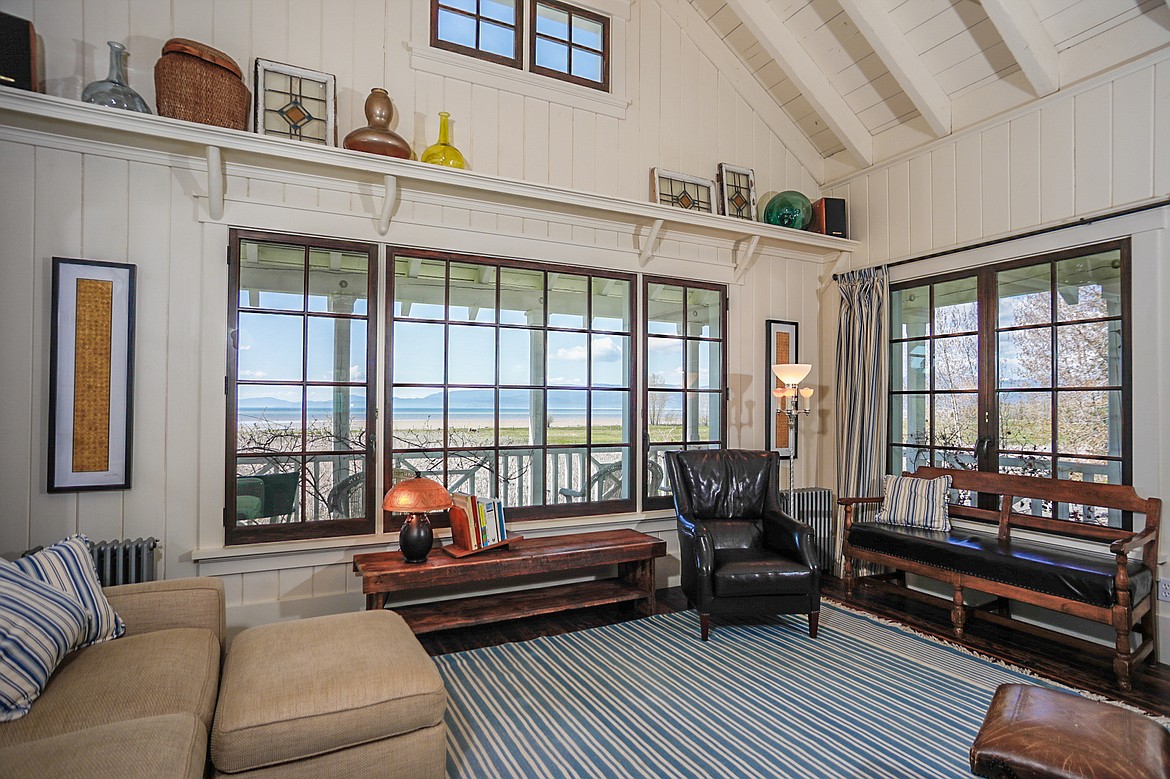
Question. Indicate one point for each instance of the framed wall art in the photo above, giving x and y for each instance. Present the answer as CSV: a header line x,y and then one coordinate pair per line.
x,y
780,345
737,191
91,375
680,190
296,103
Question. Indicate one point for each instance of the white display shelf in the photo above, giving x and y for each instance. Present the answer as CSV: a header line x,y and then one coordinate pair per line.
x,y
73,119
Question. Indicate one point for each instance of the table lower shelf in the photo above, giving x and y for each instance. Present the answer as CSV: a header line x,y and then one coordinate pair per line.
x,y
484,609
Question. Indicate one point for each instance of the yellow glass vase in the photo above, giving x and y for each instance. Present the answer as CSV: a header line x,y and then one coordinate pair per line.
x,y
443,153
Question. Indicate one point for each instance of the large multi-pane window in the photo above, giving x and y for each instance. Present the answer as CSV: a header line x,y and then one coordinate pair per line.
x,y
563,41
512,380
1017,368
686,375
300,367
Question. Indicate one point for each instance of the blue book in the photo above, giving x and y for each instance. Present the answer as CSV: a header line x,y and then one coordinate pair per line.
x,y
500,519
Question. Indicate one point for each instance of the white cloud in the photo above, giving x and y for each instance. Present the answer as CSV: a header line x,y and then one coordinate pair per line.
x,y
664,345
575,354
357,372
606,350
246,374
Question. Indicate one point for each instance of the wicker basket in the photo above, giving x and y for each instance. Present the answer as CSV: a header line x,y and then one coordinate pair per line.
x,y
197,83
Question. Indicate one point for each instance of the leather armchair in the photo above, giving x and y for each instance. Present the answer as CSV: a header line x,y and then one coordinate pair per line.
x,y
741,554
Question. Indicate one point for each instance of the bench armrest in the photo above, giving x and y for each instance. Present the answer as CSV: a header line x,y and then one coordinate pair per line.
x,y
194,602
854,501
1127,545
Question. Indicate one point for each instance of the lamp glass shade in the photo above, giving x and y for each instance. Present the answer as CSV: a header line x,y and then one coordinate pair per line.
x,y
417,496
806,392
791,372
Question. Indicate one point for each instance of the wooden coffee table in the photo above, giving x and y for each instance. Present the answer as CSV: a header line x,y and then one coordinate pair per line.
x,y
386,573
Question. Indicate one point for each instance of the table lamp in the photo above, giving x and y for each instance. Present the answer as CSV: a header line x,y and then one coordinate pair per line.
x,y
416,498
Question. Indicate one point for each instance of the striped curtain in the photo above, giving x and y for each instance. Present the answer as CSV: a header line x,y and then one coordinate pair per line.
x,y
862,364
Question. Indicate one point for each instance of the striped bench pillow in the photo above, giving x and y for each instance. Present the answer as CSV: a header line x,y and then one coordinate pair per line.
x,y
39,625
912,502
68,566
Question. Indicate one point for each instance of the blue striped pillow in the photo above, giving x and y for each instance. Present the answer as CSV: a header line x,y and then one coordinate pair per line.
x,y
67,566
39,625
912,502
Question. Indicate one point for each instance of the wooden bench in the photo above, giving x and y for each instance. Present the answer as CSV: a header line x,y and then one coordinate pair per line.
x,y
1071,578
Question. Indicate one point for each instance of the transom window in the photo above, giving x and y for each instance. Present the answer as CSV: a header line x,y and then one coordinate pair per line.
x,y
512,380
563,41
686,375
569,44
1017,368
299,388
487,29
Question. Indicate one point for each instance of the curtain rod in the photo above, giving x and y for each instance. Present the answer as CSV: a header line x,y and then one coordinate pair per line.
x,y
1038,231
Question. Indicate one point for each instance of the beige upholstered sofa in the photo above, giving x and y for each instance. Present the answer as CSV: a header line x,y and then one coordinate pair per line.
x,y
144,705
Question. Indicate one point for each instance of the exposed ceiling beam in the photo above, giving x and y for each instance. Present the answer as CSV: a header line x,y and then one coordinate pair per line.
x,y
760,99
1028,41
774,35
908,70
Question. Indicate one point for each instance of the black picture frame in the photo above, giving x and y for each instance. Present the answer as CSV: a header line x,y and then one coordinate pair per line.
x,y
775,418
73,462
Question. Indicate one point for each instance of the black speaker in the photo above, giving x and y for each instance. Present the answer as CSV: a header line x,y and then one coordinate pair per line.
x,y
829,217
18,53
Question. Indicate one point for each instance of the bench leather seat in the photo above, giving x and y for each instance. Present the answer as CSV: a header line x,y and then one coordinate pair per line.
x,y
1072,574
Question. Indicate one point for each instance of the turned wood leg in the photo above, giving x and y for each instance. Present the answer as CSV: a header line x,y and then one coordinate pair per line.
x,y
704,625
1149,628
958,611
813,619
849,578
1123,660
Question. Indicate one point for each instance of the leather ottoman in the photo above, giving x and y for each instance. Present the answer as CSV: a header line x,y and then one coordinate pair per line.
x,y
341,695
1034,733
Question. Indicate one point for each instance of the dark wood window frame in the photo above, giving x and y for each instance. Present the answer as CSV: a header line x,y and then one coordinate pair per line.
x,y
573,12
233,533
654,502
987,450
477,18
553,510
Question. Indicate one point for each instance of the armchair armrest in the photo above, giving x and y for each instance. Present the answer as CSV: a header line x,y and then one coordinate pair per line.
x,y
786,534
194,602
696,543
849,503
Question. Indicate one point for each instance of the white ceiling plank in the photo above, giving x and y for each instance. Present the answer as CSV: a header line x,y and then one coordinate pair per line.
x,y
1028,41
916,81
734,70
771,31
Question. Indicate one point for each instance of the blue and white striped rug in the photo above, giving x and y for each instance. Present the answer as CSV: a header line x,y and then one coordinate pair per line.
x,y
647,698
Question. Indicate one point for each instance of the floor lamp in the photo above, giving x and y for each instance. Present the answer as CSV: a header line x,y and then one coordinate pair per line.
x,y
789,396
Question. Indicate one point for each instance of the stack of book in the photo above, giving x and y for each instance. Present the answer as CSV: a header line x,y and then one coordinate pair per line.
x,y
476,524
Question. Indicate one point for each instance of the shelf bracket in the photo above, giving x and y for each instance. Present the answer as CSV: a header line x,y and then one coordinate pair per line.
x,y
388,204
648,245
214,182
749,258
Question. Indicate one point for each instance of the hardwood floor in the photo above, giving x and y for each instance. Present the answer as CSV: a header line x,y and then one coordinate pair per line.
x,y
1079,664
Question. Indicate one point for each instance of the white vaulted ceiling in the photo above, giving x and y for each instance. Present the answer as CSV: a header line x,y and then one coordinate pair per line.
x,y
866,80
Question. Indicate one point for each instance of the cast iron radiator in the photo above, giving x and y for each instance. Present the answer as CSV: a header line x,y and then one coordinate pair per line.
x,y
125,561
814,505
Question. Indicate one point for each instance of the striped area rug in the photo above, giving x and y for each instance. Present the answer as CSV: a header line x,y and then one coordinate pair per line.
x,y
647,698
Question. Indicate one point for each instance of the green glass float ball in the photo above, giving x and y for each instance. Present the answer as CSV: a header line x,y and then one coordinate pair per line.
x,y
789,209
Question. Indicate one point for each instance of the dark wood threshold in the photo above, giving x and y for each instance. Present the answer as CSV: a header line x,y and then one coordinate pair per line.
x,y
1067,660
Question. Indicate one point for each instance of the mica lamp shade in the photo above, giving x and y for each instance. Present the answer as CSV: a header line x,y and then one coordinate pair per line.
x,y
416,498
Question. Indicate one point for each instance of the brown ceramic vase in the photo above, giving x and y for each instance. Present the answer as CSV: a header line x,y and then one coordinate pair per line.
x,y
377,137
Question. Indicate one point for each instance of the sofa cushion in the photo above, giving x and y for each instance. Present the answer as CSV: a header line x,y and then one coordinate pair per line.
x,y
68,566
749,572
39,625
164,672
1067,573
292,690
916,502
170,746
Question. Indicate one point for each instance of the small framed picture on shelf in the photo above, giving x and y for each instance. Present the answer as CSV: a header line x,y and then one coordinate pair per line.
x,y
91,375
737,191
780,344
680,190
297,103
